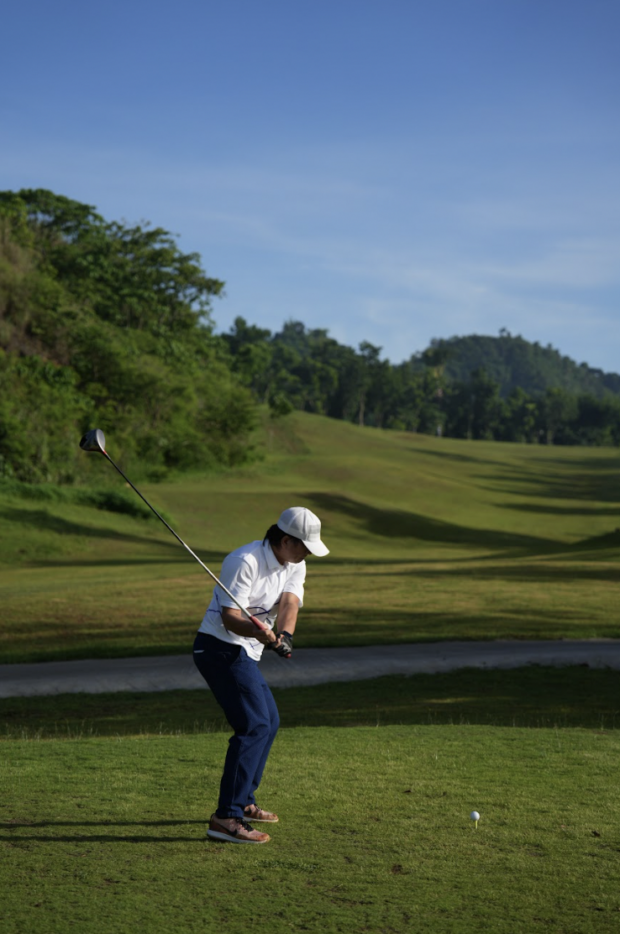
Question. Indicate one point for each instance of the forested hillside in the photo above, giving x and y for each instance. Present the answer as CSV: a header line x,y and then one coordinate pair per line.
x,y
515,363
108,325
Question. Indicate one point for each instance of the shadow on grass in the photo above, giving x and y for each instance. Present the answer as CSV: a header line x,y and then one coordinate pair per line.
x,y
530,573
585,478
179,556
445,455
522,697
396,523
561,510
338,628
100,838
7,828
98,823
484,569
597,483
41,520
607,540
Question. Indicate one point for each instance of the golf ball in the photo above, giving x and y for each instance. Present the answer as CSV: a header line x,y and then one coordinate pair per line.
x,y
474,815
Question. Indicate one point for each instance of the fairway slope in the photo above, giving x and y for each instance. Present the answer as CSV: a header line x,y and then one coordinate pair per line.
x,y
430,539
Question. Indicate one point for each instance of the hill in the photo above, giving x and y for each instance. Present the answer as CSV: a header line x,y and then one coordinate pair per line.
x,y
430,538
515,363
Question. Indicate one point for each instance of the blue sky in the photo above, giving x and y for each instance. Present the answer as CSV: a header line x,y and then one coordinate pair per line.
x,y
391,170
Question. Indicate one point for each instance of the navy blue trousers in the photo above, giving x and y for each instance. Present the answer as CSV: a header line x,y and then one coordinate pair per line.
x,y
248,704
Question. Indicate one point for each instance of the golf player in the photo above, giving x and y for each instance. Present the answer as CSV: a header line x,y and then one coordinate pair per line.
x,y
267,577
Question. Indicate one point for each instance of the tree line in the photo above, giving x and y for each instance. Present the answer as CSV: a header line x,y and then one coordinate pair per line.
x,y
106,324
309,370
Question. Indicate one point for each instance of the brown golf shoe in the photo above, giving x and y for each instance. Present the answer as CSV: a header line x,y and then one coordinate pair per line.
x,y
254,813
234,830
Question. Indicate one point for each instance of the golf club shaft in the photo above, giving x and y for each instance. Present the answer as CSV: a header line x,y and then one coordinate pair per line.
x,y
245,612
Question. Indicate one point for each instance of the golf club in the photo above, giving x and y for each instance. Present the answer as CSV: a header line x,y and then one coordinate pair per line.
x,y
94,442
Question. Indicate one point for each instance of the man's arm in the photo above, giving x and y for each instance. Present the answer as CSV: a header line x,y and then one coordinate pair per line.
x,y
287,620
236,622
288,609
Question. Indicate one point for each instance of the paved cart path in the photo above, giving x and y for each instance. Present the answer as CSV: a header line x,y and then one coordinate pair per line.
x,y
308,666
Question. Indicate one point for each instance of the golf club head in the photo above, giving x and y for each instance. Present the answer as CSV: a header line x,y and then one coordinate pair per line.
x,y
93,441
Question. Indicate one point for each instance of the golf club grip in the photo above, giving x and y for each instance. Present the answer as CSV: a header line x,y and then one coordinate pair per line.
x,y
258,623
262,626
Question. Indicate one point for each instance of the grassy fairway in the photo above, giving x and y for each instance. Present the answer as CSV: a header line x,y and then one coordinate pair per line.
x,y
430,538
104,830
107,834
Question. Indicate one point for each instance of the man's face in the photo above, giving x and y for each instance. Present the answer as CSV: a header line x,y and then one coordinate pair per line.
x,y
292,550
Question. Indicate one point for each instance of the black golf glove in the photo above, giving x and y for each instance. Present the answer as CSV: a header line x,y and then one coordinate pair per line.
x,y
285,649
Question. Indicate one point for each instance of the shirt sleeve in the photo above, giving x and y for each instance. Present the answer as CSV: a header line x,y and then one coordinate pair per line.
x,y
238,575
295,583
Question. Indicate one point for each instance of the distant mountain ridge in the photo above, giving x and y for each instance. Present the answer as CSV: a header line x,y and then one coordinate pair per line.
x,y
514,362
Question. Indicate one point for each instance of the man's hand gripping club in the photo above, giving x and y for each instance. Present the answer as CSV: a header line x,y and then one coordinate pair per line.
x,y
241,625
282,645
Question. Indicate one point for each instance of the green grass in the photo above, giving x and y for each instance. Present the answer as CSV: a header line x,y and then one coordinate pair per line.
x,y
524,697
107,834
105,800
430,539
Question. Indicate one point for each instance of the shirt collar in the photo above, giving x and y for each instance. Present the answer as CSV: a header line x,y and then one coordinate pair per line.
x,y
272,562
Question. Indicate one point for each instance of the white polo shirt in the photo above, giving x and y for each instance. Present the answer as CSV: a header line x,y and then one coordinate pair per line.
x,y
257,579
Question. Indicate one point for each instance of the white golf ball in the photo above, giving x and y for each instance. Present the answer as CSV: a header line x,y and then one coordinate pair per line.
x,y
474,815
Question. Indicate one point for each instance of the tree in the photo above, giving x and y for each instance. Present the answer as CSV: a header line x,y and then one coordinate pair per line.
x,y
103,321
134,277
251,354
474,409
597,421
556,409
436,357
519,419
365,372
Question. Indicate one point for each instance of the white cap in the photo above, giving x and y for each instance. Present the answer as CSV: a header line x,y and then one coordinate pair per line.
x,y
303,524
